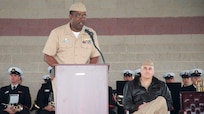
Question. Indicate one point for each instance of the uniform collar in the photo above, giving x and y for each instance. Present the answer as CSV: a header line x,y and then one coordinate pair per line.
x,y
14,85
69,31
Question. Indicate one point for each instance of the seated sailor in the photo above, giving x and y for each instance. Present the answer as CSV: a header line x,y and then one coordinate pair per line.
x,y
15,98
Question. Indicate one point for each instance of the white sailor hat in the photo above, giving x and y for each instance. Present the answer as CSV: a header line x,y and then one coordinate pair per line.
x,y
128,73
184,74
49,69
15,70
196,72
137,72
46,77
169,75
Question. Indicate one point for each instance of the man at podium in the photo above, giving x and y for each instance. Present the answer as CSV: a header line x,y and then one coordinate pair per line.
x,y
72,43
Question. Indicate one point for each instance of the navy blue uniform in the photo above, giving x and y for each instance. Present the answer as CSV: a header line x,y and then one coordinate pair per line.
x,y
188,88
43,97
24,98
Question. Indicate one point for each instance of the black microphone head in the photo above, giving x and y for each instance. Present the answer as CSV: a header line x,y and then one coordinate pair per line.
x,y
86,30
89,32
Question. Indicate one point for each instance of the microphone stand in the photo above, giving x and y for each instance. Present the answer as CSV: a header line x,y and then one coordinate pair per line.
x,y
91,35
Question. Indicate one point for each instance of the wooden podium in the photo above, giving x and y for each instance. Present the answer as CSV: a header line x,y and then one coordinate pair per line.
x,y
81,89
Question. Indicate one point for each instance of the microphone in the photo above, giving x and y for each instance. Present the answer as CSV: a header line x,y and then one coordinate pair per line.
x,y
89,32
91,35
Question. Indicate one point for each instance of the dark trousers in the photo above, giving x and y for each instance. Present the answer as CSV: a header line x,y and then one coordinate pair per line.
x,y
45,112
121,110
24,111
111,111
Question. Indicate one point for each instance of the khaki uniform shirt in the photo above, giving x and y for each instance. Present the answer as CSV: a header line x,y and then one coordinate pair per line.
x,y
67,49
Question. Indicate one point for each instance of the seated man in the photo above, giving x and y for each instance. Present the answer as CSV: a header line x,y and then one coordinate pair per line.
x,y
169,77
128,75
195,75
15,98
186,78
45,97
146,94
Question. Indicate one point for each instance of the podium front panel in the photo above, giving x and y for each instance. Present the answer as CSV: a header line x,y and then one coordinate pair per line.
x,y
81,89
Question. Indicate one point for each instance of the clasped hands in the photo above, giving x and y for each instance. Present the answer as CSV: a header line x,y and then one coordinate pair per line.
x,y
12,109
